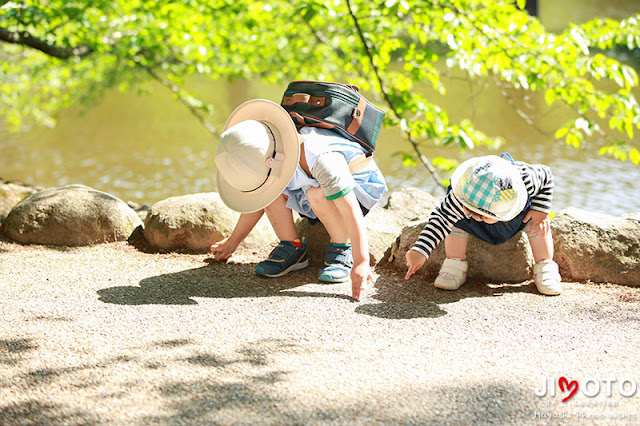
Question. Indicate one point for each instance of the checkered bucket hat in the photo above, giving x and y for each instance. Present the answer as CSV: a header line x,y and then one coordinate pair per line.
x,y
491,186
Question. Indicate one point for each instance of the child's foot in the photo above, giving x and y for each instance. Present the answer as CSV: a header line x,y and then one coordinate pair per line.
x,y
285,258
338,262
547,277
452,275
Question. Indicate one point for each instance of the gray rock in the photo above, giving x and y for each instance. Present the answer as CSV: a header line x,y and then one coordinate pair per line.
x,y
510,262
191,223
74,215
597,247
412,203
11,193
383,227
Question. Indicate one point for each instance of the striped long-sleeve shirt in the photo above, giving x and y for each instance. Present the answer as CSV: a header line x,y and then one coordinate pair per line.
x,y
537,179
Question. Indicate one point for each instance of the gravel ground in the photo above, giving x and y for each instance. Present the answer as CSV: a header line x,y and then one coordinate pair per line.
x,y
109,334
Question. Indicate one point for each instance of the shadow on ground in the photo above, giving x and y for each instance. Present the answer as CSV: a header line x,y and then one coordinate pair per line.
x,y
255,401
418,298
218,280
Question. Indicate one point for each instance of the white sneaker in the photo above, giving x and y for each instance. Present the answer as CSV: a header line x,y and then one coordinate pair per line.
x,y
547,277
452,275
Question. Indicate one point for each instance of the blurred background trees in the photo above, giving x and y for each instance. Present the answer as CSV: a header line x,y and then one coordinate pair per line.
x,y
59,53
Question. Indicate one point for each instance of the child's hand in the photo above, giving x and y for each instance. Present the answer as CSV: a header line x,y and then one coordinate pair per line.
x,y
415,260
360,275
539,222
223,249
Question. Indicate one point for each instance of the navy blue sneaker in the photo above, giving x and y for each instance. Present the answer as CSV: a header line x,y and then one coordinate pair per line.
x,y
338,262
285,258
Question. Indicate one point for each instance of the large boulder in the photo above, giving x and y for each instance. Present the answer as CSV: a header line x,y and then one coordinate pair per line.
x,y
510,262
412,203
11,193
597,247
191,223
74,215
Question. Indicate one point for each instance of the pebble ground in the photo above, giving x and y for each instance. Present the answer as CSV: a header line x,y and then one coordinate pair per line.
x,y
111,335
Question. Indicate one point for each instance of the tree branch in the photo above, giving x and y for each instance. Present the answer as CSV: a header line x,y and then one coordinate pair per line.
x,y
423,159
176,90
24,38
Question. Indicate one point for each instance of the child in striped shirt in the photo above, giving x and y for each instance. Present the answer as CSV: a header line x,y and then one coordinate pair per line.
x,y
492,198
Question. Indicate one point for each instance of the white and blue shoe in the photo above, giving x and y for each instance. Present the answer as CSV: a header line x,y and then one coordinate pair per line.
x,y
338,261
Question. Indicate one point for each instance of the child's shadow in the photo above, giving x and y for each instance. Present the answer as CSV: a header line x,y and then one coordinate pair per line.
x,y
215,281
418,298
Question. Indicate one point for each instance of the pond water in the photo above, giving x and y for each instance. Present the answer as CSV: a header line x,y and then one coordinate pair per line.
x,y
146,148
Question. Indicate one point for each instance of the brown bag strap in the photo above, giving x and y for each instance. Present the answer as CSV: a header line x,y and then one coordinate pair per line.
x,y
358,115
304,98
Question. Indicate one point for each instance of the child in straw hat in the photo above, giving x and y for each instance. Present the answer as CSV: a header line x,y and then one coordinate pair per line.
x,y
265,166
492,198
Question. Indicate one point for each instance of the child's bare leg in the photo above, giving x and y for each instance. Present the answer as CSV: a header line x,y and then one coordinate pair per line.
x,y
338,258
281,218
287,256
541,246
328,214
545,271
453,272
455,247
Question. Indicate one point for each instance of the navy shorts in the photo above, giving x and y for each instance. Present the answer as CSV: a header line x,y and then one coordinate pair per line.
x,y
495,233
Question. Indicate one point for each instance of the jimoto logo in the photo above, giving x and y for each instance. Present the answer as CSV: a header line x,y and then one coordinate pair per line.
x,y
572,387
590,387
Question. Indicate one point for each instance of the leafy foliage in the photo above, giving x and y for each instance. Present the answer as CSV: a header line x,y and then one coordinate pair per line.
x,y
67,52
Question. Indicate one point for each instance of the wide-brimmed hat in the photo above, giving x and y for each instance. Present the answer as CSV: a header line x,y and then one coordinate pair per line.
x,y
257,155
491,186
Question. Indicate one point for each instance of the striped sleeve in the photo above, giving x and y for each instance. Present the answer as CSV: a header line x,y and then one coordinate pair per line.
x,y
439,224
538,180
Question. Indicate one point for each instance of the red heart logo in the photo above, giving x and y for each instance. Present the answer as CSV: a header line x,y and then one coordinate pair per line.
x,y
562,382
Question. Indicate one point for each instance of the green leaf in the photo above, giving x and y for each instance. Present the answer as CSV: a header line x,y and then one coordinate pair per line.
x,y
574,139
550,96
580,40
560,133
522,4
630,75
634,156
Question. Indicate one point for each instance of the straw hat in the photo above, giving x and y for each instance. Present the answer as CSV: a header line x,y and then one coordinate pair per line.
x,y
257,155
490,186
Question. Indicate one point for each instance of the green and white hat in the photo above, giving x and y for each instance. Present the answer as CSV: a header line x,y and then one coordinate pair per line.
x,y
491,186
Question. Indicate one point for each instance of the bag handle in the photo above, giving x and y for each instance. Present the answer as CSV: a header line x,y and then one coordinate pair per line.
x,y
304,98
358,115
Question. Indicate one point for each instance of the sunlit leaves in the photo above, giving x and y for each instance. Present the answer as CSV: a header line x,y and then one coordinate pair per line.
x,y
409,45
621,151
408,159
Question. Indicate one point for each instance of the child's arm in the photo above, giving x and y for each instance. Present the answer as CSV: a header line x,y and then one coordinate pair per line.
x,y
225,248
538,180
437,228
415,260
352,214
